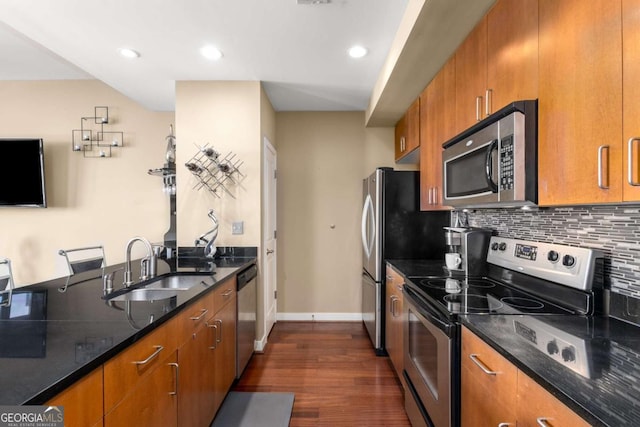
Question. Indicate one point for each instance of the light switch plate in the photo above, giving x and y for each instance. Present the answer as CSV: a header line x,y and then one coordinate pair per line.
x,y
237,227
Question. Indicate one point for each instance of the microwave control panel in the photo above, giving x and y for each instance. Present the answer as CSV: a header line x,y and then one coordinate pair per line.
x,y
506,163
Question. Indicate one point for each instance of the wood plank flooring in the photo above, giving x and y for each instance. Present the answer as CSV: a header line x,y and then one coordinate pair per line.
x,y
333,371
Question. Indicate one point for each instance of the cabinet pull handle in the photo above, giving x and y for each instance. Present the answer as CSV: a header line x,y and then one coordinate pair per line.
x,y
158,348
481,365
393,305
542,422
215,341
219,337
176,376
202,313
504,424
227,293
430,196
389,278
399,288
487,101
600,165
630,161
435,196
478,108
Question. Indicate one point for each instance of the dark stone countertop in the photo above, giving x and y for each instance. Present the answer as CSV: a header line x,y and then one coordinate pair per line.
x,y
50,339
610,396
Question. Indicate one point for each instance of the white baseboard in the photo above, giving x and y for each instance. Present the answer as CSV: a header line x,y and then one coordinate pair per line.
x,y
259,345
320,317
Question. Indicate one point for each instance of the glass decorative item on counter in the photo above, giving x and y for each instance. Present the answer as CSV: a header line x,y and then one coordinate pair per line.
x,y
215,172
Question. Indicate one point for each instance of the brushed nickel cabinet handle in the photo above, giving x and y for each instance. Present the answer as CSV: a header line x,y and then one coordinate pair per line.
x,y
478,108
630,161
176,376
219,331
542,422
481,365
153,355
487,101
215,341
504,424
600,165
435,196
227,293
202,313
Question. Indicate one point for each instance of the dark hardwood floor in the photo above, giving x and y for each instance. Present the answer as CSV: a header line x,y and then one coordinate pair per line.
x,y
333,371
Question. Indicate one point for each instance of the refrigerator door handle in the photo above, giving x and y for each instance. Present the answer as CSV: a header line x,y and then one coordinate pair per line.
x,y
366,210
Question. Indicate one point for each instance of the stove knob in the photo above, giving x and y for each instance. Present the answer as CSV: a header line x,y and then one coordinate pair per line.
x,y
568,354
568,261
502,246
552,347
553,256
494,246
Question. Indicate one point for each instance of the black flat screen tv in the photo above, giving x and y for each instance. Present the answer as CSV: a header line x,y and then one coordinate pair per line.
x,y
22,173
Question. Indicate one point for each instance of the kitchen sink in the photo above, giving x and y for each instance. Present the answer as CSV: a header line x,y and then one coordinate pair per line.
x,y
144,294
180,282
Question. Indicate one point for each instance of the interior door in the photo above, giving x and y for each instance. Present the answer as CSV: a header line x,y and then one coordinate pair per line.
x,y
269,239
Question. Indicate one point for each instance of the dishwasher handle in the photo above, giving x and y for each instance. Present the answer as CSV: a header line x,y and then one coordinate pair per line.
x,y
247,275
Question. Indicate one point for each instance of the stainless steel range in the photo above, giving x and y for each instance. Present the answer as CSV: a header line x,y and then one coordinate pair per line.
x,y
523,277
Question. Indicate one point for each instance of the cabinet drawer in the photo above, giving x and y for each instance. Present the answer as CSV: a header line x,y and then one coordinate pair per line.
x,y
499,383
194,316
224,293
122,373
537,404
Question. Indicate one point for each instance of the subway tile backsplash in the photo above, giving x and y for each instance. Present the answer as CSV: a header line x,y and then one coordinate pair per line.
x,y
615,230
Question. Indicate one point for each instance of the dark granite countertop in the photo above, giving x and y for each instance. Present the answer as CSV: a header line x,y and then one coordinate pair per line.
x,y
608,394
50,339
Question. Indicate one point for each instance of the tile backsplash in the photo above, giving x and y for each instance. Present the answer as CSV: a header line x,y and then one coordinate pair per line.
x,y
615,230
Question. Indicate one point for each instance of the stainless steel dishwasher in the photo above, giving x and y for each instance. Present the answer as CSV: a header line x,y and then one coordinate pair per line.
x,y
247,307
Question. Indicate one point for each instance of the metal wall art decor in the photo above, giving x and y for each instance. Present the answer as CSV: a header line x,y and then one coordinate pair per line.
x,y
91,139
215,172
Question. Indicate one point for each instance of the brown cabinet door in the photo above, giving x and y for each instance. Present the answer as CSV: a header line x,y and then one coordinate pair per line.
x,y
400,137
225,352
580,103
489,384
407,132
152,402
512,53
437,125
536,405
471,77
393,319
631,99
82,401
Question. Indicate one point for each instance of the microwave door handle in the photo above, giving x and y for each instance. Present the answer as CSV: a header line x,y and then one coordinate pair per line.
x,y
493,186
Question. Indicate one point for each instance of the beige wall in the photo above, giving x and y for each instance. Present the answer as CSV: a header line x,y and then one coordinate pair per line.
x,y
322,159
91,201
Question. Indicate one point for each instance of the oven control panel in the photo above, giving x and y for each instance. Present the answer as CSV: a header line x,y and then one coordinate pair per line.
x,y
571,351
567,265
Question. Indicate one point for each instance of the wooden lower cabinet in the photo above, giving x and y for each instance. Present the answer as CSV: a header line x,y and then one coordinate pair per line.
x,y
393,320
82,401
496,393
225,351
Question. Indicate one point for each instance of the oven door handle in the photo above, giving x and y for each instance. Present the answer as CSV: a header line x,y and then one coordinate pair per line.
x,y
430,313
493,186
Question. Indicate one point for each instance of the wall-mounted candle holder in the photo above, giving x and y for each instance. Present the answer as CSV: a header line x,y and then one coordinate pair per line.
x,y
91,139
215,172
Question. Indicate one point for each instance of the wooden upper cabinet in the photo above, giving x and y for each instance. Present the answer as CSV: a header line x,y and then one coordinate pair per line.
x,y
512,53
580,103
471,77
407,138
437,125
631,99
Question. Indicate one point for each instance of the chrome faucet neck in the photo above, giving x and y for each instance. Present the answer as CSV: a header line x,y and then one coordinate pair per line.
x,y
147,269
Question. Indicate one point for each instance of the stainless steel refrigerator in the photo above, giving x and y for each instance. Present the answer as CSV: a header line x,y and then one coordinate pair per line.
x,y
393,227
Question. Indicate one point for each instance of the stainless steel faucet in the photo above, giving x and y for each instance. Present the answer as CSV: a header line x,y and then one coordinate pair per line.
x,y
147,265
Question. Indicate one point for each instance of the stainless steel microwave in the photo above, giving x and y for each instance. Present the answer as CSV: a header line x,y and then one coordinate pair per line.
x,y
495,162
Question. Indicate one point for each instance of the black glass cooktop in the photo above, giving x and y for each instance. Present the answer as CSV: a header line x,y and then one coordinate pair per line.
x,y
480,296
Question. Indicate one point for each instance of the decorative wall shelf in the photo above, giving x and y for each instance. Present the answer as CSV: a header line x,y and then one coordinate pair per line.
x,y
91,139
215,172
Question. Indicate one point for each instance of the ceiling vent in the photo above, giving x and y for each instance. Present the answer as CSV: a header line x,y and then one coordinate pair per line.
x,y
314,1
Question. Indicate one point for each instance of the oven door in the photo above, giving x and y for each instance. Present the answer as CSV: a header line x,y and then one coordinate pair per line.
x,y
470,169
429,362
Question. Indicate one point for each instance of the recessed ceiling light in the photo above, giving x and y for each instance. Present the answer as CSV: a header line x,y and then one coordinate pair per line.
x,y
129,53
211,52
357,51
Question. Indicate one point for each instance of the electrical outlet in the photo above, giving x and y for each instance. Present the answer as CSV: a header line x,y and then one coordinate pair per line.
x,y
237,227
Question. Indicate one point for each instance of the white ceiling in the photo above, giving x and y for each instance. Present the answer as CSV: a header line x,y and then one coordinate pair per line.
x,y
298,51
